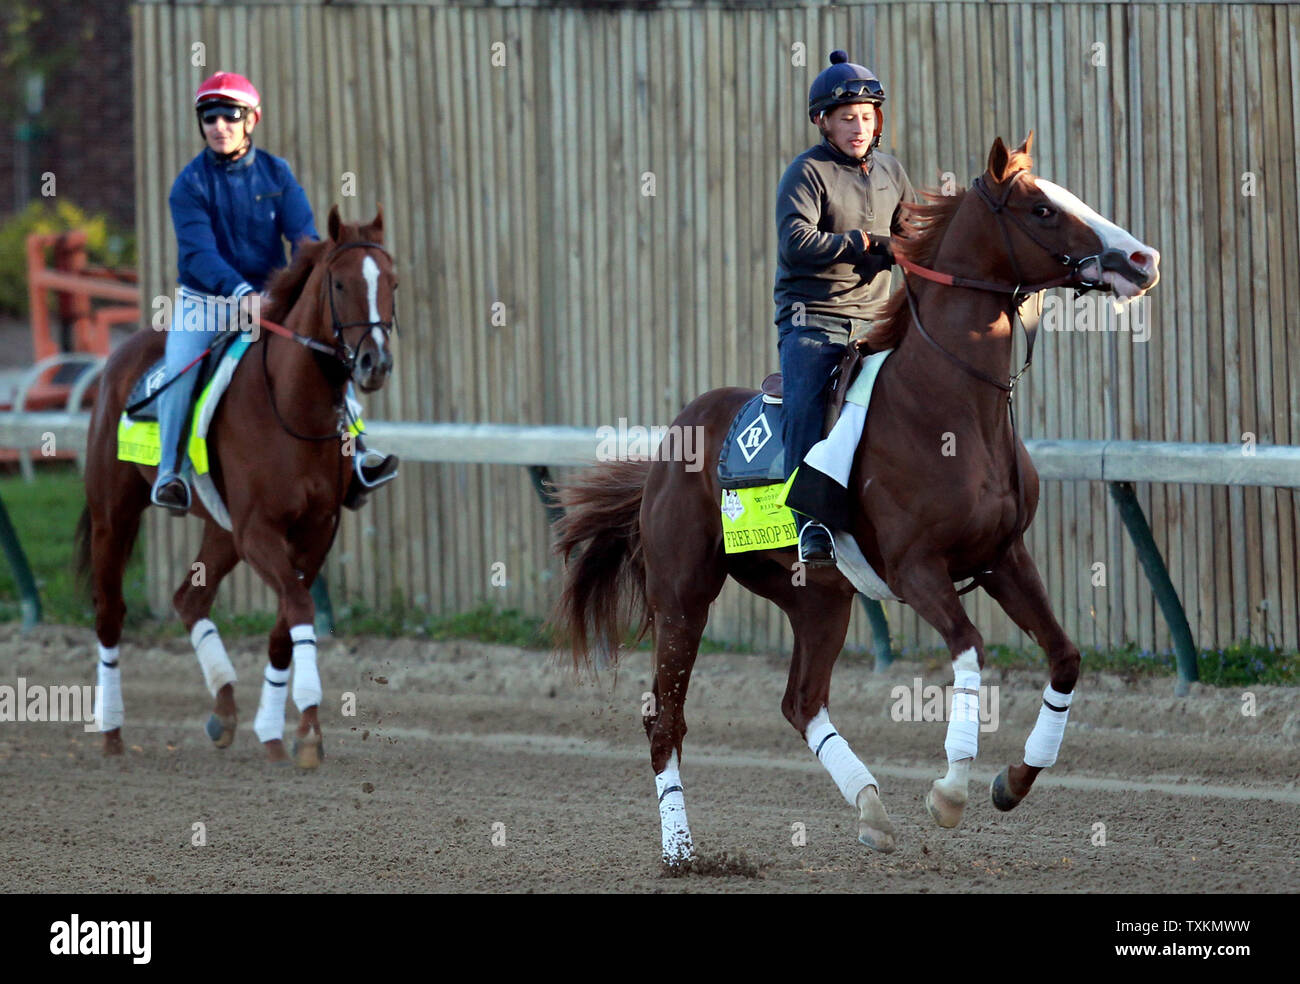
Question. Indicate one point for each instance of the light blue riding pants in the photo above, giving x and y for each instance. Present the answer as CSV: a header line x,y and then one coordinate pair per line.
x,y
197,322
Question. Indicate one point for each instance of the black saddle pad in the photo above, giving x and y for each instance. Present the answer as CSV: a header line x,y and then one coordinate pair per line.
x,y
142,405
753,453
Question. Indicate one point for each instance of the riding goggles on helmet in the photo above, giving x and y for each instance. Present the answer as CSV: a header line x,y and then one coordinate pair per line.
x,y
859,88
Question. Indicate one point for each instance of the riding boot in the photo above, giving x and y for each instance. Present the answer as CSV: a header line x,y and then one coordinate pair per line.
x,y
816,546
370,470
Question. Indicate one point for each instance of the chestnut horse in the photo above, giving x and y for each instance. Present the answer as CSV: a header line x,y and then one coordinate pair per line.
x,y
281,461
648,536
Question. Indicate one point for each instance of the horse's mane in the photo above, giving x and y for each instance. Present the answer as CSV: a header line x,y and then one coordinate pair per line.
x,y
922,225
286,284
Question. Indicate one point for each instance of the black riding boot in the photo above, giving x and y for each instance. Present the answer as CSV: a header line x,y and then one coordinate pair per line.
x,y
816,548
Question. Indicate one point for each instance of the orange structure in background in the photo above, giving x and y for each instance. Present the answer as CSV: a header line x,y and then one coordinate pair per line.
x,y
67,362
77,283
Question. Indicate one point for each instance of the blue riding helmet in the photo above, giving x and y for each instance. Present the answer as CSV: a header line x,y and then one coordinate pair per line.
x,y
844,82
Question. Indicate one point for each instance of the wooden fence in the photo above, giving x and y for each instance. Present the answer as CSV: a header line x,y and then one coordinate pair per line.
x,y
581,198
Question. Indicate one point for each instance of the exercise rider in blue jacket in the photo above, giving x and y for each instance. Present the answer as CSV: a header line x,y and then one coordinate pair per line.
x,y
232,206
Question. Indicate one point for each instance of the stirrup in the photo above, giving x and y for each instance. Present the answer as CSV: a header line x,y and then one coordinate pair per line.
x,y
825,559
173,502
385,463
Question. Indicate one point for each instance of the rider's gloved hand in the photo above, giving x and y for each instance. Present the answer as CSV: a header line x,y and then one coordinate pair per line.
x,y
880,246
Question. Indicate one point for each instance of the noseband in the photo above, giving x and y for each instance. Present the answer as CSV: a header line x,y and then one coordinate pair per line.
x,y
999,209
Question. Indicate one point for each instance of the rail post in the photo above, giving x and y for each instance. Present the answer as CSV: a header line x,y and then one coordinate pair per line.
x,y
1130,510
30,597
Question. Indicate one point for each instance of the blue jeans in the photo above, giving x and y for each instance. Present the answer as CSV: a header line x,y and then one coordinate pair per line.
x,y
808,357
197,322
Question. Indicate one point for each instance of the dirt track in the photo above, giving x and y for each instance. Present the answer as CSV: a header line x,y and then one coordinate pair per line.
x,y
451,739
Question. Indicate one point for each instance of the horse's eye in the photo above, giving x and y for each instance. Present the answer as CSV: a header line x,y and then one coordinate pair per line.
x,y
1044,211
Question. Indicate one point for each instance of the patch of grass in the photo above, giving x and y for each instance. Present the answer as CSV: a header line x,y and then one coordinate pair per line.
x,y
44,513
1242,663
483,624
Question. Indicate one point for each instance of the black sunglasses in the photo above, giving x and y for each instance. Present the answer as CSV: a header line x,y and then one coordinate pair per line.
x,y
232,114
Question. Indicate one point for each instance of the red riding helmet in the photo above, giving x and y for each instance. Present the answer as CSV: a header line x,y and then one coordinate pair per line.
x,y
227,87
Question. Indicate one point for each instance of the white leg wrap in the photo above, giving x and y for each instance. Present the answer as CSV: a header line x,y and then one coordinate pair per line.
x,y
837,758
964,720
269,723
675,830
1045,740
955,783
217,668
108,694
306,677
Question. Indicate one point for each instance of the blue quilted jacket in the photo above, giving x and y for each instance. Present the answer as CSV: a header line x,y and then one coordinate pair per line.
x,y
230,219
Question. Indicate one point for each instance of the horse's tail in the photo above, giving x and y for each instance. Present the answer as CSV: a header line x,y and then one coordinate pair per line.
x,y
81,551
604,586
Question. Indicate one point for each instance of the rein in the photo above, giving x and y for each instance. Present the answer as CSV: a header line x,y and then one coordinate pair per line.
x,y
1020,294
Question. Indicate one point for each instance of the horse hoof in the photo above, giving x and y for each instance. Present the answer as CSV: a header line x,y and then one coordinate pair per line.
x,y
1003,798
275,753
113,743
944,809
308,752
221,730
874,826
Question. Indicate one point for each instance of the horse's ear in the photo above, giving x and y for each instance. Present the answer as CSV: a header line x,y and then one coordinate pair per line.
x,y
1027,148
999,157
377,223
336,224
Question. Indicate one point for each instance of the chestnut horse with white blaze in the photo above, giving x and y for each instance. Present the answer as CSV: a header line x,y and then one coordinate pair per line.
x,y
648,535
281,462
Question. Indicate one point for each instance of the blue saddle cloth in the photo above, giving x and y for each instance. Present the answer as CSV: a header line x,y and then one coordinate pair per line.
x,y
753,453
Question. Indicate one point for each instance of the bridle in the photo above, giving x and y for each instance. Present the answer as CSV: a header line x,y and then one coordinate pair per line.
x,y
348,357
1020,294
340,351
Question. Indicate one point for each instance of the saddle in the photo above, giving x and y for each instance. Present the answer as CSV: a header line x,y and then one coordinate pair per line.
x,y
138,431
142,403
842,378
753,453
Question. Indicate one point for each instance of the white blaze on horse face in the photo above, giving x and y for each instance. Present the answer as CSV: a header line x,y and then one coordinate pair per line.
x,y
370,270
1111,236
